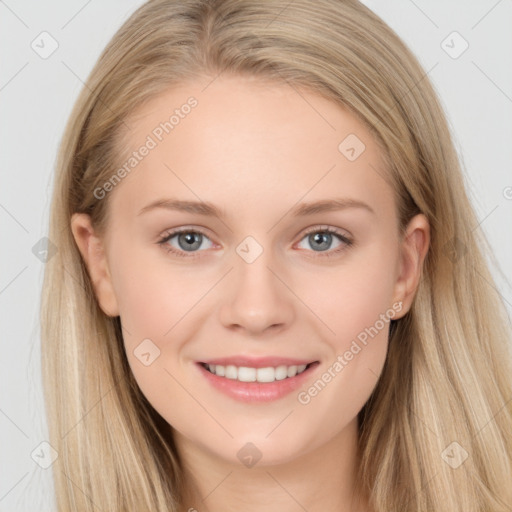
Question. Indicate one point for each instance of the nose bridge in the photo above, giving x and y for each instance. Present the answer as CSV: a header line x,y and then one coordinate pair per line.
x,y
258,299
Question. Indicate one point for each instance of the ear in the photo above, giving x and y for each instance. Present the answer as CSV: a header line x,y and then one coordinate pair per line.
x,y
93,253
413,250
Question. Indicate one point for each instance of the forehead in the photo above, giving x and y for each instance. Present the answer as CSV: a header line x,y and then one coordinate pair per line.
x,y
243,141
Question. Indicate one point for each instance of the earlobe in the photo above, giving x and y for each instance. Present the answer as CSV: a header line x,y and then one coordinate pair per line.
x,y
413,251
93,253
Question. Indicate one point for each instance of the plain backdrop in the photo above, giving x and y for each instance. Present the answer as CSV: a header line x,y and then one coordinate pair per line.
x,y
36,97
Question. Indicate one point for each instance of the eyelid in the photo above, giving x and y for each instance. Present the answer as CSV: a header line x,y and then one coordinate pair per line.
x,y
183,229
330,229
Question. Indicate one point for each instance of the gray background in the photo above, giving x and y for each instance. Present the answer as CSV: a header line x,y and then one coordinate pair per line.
x,y
36,97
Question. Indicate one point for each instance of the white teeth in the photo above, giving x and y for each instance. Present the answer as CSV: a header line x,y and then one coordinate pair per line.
x,y
246,374
292,371
265,375
281,372
231,372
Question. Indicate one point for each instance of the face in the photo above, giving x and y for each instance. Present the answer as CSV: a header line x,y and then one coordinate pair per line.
x,y
256,234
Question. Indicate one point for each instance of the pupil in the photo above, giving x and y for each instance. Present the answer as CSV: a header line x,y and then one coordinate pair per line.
x,y
319,237
190,240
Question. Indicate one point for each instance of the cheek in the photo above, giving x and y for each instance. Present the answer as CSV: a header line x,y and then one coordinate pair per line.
x,y
153,297
160,304
352,297
356,303
156,304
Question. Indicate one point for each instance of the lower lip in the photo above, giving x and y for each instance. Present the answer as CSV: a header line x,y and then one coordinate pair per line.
x,y
257,391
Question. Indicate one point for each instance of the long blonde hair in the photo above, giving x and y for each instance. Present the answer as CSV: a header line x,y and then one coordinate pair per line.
x,y
447,375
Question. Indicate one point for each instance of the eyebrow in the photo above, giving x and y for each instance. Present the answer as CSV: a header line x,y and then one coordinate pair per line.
x,y
302,210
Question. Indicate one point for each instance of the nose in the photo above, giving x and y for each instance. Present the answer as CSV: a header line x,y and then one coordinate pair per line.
x,y
258,299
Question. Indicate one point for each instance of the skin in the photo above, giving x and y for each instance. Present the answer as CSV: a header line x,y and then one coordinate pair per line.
x,y
255,150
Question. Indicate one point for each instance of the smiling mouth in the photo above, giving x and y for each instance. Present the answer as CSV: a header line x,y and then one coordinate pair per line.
x,y
261,375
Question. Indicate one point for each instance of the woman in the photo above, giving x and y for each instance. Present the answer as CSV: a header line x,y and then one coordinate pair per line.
x,y
200,352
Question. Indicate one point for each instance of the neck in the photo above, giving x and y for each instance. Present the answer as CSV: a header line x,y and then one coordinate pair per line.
x,y
319,480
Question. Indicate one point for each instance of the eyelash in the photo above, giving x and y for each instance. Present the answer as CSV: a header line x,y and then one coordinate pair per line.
x,y
323,254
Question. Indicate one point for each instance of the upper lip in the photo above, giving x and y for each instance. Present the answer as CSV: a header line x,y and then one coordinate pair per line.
x,y
257,362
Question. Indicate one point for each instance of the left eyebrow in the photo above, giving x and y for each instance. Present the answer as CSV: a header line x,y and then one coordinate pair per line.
x,y
302,210
329,205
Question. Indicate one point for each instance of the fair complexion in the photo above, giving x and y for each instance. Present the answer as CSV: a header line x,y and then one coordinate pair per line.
x,y
256,151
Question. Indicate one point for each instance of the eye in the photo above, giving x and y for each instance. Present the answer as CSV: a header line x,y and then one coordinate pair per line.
x,y
187,240
321,238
